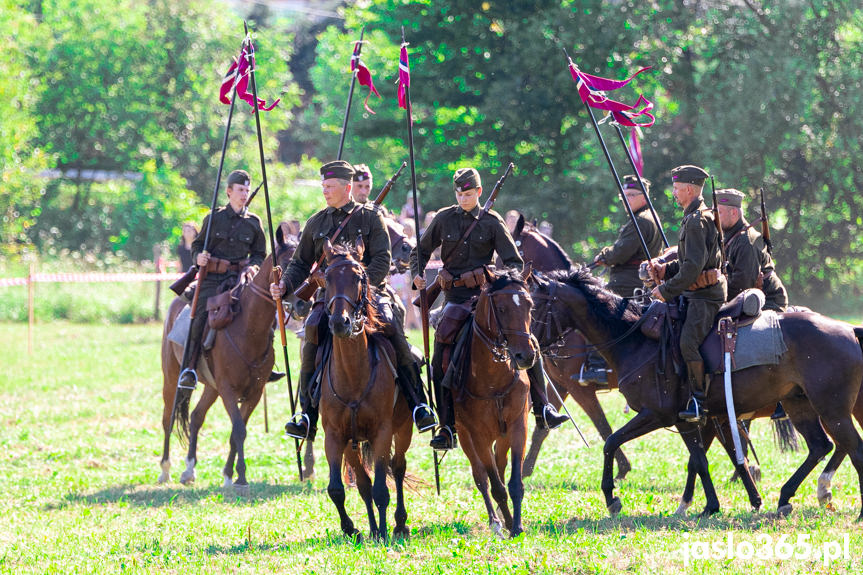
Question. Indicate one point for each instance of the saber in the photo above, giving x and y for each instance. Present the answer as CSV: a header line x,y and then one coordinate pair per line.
x,y
562,404
727,329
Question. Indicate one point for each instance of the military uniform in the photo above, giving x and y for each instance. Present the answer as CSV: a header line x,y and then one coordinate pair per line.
x,y
750,265
462,259
699,260
624,257
235,238
366,223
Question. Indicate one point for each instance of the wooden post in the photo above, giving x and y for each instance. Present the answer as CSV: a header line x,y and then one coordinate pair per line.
x,y
157,258
30,314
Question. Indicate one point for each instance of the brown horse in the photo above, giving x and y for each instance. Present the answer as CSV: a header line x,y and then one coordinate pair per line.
x,y
236,369
358,396
817,380
492,405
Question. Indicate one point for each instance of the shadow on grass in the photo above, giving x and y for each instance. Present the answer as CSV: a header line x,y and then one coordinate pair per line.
x,y
138,495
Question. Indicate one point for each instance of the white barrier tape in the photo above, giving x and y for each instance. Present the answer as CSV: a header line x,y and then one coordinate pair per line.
x,y
90,278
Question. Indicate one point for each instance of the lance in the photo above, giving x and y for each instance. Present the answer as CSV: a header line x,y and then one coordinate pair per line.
x,y
724,264
350,98
276,273
640,183
202,273
614,172
424,303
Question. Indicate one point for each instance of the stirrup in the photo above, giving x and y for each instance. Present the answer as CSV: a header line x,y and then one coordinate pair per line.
x,y
427,426
182,378
693,416
453,442
298,419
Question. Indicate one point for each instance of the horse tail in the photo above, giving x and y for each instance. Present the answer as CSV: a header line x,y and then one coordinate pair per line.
x,y
858,333
784,435
180,420
411,481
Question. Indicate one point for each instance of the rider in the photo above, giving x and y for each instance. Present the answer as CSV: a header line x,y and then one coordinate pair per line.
x,y
749,263
336,178
461,279
237,246
695,275
624,257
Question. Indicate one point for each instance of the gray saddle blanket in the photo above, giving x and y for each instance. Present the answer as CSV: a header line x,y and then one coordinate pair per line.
x,y
180,329
759,343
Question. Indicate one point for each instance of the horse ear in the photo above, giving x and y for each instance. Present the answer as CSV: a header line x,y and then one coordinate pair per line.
x,y
361,247
328,249
519,226
489,274
527,270
280,236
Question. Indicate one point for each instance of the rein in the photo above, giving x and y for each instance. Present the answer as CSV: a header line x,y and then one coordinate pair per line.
x,y
358,307
499,346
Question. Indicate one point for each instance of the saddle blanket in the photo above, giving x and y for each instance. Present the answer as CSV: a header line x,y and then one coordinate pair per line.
x,y
759,343
180,329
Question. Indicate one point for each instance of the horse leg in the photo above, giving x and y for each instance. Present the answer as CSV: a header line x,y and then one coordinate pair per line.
x,y
707,435
808,424
399,467
501,451
336,490
536,441
644,422
238,436
246,409
698,457
380,493
480,478
309,461
196,421
518,436
843,432
589,403
364,484
741,470
169,388
825,480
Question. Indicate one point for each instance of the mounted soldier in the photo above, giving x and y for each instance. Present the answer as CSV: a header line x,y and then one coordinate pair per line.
x,y
624,257
237,248
750,264
365,222
696,276
469,238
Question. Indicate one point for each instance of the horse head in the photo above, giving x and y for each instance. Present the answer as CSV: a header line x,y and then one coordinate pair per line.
x,y
400,246
285,248
348,294
502,318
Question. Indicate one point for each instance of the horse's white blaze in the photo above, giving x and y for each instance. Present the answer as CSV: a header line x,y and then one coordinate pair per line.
x,y
515,300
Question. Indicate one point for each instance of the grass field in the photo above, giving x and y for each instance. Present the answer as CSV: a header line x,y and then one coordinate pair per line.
x,y
82,441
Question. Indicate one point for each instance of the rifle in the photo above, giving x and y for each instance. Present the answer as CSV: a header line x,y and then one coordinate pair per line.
x,y
433,291
307,289
724,263
180,285
765,227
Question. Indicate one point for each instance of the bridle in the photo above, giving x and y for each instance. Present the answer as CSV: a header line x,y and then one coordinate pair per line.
x,y
499,344
358,307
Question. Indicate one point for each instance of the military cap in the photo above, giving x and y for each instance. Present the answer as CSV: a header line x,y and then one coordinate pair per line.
x,y
729,197
631,182
689,175
466,179
338,169
239,177
362,173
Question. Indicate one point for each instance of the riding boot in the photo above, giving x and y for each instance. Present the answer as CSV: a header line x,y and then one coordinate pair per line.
x,y
304,425
779,413
546,415
411,385
188,376
694,411
445,439
275,376
594,369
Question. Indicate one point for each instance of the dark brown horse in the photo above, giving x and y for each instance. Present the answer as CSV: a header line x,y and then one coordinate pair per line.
x,y
236,370
825,493
817,380
358,396
492,405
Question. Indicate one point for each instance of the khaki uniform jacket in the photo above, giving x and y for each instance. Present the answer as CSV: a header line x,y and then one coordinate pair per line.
x,y
233,237
488,237
624,257
367,222
747,259
697,251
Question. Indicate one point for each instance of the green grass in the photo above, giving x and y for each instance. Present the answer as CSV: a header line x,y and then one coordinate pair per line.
x,y
79,422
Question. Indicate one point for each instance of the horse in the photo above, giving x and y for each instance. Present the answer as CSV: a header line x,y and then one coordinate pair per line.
x,y
400,246
491,406
817,379
825,493
235,369
358,396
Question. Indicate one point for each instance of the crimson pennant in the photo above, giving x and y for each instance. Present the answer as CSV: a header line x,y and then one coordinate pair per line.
x,y
364,75
404,76
238,75
635,151
592,91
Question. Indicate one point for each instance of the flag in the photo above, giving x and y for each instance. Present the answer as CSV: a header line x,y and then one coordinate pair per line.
x,y
592,91
635,151
238,76
363,75
404,77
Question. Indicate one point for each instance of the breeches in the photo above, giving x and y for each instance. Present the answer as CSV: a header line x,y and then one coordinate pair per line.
x,y
700,314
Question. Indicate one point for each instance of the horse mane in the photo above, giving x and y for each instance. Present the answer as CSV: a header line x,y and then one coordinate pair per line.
x,y
504,278
373,322
606,307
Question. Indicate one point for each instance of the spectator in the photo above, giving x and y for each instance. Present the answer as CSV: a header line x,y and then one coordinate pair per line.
x,y
184,250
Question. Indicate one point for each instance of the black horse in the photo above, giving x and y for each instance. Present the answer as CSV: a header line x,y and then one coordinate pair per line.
x,y
817,379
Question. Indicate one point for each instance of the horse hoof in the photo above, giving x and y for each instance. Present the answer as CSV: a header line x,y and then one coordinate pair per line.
x,y
513,533
308,475
707,512
496,528
526,470
402,532
784,510
241,490
614,507
682,508
187,477
755,472
825,492
226,481
164,477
